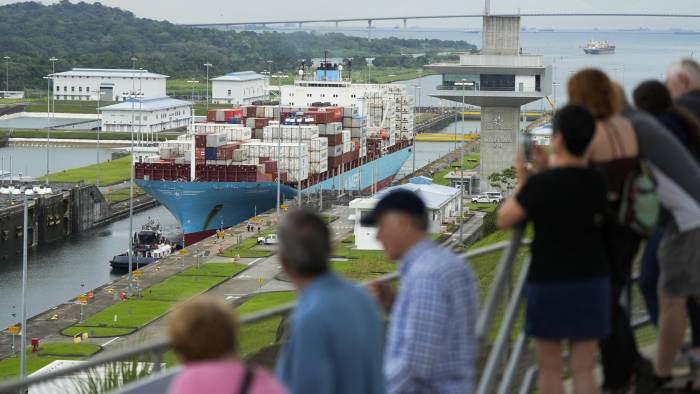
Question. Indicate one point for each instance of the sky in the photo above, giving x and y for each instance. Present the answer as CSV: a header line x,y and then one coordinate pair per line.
x,y
214,11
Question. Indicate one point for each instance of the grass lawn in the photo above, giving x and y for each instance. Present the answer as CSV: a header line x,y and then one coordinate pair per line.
x,y
362,269
9,367
245,249
254,337
111,172
470,161
179,288
475,206
122,194
73,107
214,269
98,332
130,313
69,349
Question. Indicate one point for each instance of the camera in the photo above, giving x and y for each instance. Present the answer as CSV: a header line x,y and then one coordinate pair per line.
x,y
527,146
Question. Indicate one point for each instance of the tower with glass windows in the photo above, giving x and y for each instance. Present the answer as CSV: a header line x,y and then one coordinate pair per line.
x,y
500,79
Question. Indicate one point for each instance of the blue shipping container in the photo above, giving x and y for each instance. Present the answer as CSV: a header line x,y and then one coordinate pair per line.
x,y
210,153
234,121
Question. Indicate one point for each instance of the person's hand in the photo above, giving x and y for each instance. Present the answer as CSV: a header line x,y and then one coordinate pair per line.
x,y
521,169
383,293
540,158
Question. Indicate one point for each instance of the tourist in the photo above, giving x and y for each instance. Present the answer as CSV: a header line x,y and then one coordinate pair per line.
x,y
335,333
677,262
654,98
683,81
431,344
203,333
614,149
568,285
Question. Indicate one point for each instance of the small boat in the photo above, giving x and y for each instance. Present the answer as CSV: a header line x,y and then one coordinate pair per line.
x,y
598,48
148,245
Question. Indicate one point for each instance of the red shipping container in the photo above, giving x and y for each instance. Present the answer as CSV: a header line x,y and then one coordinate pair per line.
x,y
270,166
200,140
250,111
199,153
334,139
334,162
262,160
211,115
261,122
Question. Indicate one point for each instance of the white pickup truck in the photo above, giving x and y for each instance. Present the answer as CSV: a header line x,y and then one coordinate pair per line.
x,y
268,240
488,198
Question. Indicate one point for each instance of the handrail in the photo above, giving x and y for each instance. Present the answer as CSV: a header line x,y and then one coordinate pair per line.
x,y
495,296
159,346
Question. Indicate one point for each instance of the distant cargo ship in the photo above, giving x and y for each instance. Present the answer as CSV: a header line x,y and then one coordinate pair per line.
x,y
599,48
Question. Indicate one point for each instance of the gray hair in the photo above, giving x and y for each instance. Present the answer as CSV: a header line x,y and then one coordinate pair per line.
x,y
305,243
687,67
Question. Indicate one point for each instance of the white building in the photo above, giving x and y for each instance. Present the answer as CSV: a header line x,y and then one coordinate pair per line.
x,y
107,84
442,203
150,115
239,88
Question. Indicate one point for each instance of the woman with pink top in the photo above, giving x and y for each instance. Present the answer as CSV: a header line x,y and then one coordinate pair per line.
x,y
203,333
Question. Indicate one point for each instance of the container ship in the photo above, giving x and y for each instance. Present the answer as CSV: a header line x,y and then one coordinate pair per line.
x,y
327,133
599,48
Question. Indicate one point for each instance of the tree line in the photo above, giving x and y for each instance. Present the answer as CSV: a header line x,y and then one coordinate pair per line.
x,y
93,35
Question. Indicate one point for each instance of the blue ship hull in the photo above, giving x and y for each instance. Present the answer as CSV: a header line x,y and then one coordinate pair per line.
x,y
203,207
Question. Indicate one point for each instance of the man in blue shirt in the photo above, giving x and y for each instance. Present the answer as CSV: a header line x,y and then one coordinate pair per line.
x,y
335,344
432,333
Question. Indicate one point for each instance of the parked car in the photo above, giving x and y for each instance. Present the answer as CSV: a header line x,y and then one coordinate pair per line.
x,y
268,240
488,198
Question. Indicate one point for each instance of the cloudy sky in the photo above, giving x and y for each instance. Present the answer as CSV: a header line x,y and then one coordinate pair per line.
x,y
203,11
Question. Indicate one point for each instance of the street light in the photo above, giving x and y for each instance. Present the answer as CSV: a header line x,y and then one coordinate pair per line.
x,y
23,309
207,65
7,74
416,96
48,124
279,137
554,91
464,83
53,61
131,177
192,82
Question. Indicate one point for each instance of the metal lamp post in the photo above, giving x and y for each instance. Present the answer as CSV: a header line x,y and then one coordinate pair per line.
x,y
53,61
99,129
23,308
131,175
554,91
48,125
7,73
207,65
416,96
464,83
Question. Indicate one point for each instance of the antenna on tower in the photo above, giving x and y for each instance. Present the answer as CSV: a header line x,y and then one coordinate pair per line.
x,y
487,7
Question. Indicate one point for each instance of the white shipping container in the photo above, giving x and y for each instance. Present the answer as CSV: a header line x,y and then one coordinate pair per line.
x,y
363,151
318,156
318,143
217,139
335,150
240,155
357,132
334,128
318,168
346,136
348,147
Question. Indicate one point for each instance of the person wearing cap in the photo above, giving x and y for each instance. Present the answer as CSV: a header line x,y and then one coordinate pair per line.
x,y
431,344
335,334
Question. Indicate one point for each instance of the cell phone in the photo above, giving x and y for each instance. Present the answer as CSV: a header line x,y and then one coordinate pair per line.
x,y
526,146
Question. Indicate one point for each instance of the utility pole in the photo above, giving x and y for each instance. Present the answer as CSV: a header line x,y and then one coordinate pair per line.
x,y
7,73
48,125
23,311
53,61
131,184
207,65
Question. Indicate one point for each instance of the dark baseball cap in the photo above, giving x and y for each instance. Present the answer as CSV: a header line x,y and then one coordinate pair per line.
x,y
400,201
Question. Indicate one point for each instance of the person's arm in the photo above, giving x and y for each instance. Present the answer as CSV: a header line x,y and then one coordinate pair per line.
x,y
426,316
309,365
662,149
511,212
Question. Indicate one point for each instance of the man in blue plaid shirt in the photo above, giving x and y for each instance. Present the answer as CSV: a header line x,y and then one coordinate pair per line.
x,y
431,345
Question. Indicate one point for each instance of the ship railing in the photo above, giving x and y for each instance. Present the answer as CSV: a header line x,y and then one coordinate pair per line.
x,y
498,322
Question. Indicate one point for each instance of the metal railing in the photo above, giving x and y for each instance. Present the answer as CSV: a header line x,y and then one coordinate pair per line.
x,y
154,351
